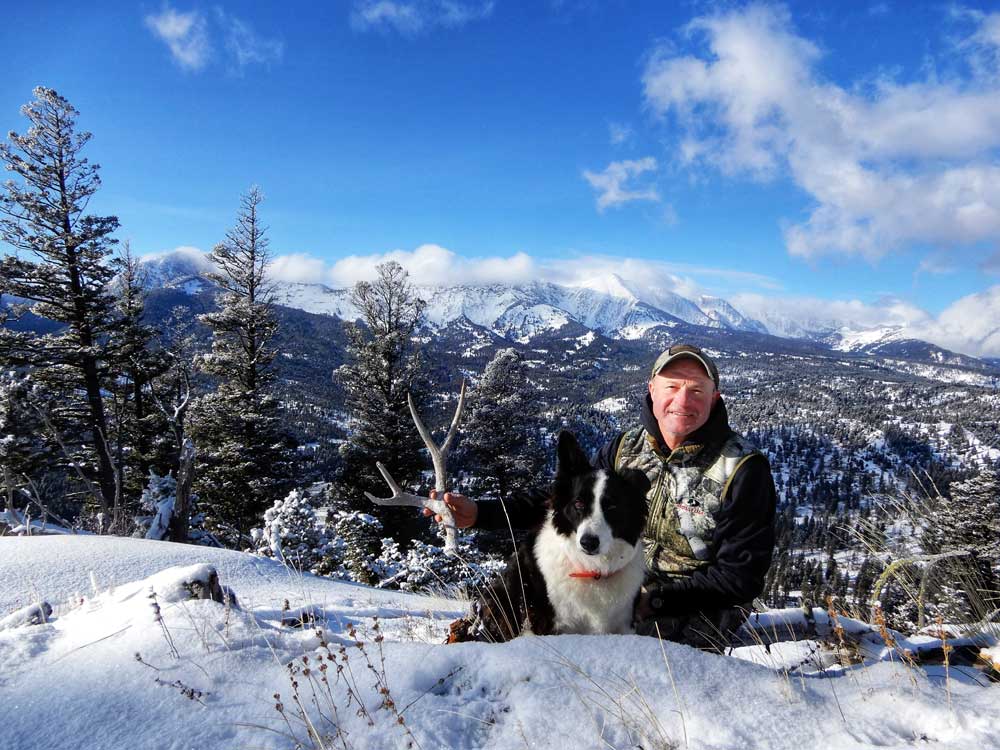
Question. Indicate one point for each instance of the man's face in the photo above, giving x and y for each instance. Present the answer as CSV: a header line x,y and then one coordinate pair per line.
x,y
683,396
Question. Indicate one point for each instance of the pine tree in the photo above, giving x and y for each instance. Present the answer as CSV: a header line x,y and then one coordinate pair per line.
x,y
22,451
382,368
137,360
172,451
244,456
361,541
500,443
969,518
43,215
964,588
292,533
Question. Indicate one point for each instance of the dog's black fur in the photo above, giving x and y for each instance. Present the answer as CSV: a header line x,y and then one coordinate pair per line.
x,y
520,601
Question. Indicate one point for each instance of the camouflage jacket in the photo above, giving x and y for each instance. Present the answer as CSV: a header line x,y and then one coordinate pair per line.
x,y
707,556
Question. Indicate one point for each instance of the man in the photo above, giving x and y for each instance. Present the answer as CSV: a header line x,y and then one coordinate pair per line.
x,y
710,533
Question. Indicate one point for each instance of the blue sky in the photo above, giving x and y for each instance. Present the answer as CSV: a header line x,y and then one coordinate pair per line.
x,y
818,159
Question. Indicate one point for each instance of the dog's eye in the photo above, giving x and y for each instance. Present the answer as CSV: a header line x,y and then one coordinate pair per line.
x,y
578,505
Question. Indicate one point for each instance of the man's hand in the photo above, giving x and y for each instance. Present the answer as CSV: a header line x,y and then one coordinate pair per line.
x,y
463,510
643,605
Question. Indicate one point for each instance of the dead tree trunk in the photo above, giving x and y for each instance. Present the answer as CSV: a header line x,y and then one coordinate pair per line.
x,y
182,500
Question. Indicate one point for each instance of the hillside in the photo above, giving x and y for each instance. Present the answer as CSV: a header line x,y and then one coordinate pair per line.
x,y
104,674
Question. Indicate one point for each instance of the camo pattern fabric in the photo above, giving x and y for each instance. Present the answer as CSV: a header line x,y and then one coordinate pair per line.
x,y
686,491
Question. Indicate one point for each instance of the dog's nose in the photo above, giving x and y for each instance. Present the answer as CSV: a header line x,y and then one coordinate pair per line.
x,y
590,543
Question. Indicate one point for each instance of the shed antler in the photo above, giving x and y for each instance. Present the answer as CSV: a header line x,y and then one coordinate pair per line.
x,y
439,457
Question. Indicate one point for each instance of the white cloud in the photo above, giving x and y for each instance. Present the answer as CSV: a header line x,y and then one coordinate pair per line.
x,y
936,264
970,325
192,40
411,17
992,264
888,165
298,268
434,265
245,46
185,34
195,255
619,133
612,183
983,44
818,313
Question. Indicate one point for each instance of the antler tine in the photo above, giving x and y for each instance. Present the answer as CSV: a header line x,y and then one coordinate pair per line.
x,y
435,452
407,499
398,496
439,456
453,429
388,479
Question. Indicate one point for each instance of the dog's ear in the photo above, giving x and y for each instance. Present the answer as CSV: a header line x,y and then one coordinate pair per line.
x,y
637,480
572,461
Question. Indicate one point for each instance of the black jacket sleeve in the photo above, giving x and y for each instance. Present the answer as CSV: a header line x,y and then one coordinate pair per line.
x,y
605,458
525,510
522,510
743,544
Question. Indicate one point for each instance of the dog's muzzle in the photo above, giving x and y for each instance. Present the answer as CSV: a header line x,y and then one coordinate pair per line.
x,y
590,543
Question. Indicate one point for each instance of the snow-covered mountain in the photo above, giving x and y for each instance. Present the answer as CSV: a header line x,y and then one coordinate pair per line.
x,y
728,316
515,312
893,341
608,304
173,269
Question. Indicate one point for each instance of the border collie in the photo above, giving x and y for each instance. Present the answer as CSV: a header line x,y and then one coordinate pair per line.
x,y
581,570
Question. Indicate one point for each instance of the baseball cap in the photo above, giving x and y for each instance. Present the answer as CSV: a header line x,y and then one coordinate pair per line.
x,y
679,351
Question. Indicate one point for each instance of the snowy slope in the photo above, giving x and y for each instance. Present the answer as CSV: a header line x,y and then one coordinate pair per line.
x,y
849,340
175,267
208,675
727,316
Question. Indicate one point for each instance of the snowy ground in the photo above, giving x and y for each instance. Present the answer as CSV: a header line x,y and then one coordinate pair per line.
x,y
208,674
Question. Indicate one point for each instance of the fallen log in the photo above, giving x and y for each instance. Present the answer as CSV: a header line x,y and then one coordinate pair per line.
x,y
33,614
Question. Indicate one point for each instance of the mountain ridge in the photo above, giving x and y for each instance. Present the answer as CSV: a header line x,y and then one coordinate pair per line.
x,y
607,304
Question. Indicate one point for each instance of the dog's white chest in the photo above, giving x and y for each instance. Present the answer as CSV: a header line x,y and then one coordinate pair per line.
x,y
586,605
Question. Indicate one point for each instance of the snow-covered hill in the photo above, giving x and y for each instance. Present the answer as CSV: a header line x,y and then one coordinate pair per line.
x,y
111,671
176,267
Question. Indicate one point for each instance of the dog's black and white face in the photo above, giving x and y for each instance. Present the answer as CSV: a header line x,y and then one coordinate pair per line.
x,y
600,514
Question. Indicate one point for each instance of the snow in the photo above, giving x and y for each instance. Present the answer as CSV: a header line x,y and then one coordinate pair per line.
x,y
943,374
612,405
316,298
20,524
610,284
584,341
851,339
206,674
